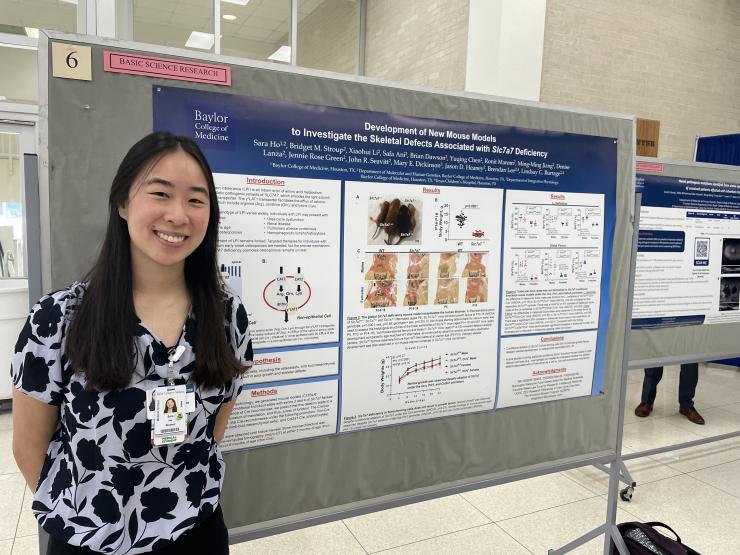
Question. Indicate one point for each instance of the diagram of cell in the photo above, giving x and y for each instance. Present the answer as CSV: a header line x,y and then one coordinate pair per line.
x,y
287,293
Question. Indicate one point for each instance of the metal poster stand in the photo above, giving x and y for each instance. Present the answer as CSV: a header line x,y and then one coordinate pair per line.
x,y
616,465
71,111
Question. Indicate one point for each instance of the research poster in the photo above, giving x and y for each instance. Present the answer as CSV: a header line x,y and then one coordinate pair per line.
x,y
399,268
688,252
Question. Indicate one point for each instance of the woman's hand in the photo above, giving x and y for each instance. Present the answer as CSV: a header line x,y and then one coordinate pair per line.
x,y
34,422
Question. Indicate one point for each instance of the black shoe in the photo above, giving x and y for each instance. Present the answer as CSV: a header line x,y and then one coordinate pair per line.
x,y
644,409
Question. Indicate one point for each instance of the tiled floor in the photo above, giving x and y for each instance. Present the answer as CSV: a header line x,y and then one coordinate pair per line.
x,y
695,490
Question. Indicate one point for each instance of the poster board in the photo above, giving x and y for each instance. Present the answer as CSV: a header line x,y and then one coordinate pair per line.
x,y
685,280
288,481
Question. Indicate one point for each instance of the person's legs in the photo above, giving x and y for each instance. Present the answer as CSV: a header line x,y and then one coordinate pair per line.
x,y
688,378
649,390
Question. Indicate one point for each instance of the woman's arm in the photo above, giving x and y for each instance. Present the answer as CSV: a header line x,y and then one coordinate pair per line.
x,y
222,419
34,422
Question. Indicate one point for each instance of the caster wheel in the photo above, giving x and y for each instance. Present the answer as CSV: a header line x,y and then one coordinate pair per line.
x,y
626,493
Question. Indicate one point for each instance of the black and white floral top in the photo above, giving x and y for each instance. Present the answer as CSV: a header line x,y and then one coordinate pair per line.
x,y
103,484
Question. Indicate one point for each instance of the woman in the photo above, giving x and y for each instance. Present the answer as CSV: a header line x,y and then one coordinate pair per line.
x,y
151,312
170,407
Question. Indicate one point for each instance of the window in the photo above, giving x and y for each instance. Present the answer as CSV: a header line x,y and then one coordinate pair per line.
x,y
11,202
257,29
328,34
26,17
21,64
177,23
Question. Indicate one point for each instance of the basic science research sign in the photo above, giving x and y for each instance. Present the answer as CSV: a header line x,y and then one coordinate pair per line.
x,y
399,268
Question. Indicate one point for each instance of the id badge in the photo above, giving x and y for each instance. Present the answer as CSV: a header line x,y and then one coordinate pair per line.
x,y
189,401
168,408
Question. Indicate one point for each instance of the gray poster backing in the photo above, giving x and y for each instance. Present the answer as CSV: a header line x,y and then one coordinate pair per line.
x,y
87,126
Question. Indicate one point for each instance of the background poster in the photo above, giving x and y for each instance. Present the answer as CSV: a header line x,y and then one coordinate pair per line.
x,y
399,268
688,253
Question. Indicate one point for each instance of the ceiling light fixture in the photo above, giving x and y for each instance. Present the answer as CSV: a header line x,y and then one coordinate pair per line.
x,y
69,2
229,17
282,54
237,2
202,41
32,32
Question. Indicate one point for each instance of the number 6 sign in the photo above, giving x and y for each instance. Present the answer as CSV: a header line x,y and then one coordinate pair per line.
x,y
71,61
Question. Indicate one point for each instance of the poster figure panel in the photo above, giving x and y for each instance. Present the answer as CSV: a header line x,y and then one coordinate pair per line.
x,y
394,220
292,364
282,412
553,256
419,344
688,253
546,368
286,233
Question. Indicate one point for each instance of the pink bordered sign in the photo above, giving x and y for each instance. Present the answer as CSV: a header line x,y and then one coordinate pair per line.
x,y
653,167
135,64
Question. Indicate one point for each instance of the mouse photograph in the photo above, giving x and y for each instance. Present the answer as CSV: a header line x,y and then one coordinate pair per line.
x,y
394,221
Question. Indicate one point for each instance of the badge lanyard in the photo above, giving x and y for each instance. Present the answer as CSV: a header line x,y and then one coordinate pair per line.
x,y
174,355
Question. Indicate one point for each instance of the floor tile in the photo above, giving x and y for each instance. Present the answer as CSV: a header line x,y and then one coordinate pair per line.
x,y
7,462
6,420
11,499
6,547
325,539
710,394
727,376
724,476
27,523
705,517
412,523
28,545
655,432
643,470
718,422
488,539
526,496
734,408
555,527
702,456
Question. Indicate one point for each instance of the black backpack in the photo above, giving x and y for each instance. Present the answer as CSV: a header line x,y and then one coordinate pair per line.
x,y
641,538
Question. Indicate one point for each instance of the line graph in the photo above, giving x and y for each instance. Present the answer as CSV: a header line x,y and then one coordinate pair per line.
x,y
420,367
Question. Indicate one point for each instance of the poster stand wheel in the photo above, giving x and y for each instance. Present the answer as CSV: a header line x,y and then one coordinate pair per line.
x,y
626,493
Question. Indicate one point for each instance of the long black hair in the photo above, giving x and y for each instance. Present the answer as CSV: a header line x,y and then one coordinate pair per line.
x,y
100,340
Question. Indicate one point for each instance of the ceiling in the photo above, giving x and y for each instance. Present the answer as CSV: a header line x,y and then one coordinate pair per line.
x,y
260,27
